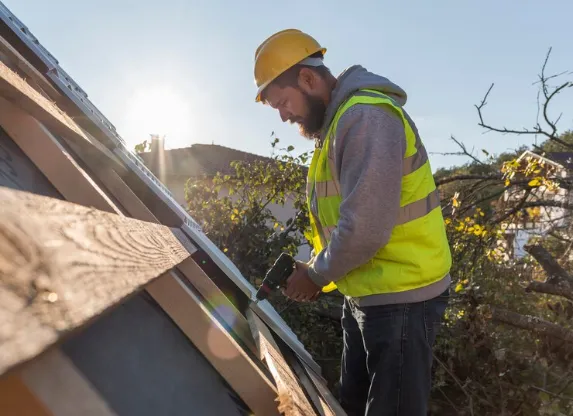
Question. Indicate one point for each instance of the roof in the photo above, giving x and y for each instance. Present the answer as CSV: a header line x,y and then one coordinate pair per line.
x,y
263,364
565,159
203,159
557,159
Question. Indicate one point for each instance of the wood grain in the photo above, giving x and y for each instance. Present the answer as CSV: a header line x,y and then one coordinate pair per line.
x,y
18,91
63,264
291,395
222,351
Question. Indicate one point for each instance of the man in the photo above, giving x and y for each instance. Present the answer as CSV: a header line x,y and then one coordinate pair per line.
x,y
377,227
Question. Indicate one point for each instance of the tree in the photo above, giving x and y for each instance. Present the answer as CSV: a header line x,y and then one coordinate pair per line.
x,y
507,340
507,343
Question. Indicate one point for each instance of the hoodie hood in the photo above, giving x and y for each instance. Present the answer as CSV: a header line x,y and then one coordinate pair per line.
x,y
355,78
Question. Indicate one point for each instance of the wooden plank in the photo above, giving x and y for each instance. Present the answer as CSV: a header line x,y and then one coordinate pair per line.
x,y
228,358
20,93
319,403
218,302
30,71
293,400
16,398
322,388
62,264
55,380
50,157
18,172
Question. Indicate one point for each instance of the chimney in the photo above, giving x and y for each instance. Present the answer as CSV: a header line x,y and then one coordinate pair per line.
x,y
157,162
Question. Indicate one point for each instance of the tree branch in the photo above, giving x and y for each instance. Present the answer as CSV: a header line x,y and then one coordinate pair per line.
x,y
468,177
563,289
530,323
555,273
521,205
537,130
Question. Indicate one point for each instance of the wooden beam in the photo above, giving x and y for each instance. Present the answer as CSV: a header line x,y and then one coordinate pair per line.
x,y
319,403
322,388
219,302
56,381
62,264
292,397
17,399
16,90
50,157
28,69
228,358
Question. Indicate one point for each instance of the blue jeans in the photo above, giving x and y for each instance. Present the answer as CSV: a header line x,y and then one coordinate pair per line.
x,y
387,357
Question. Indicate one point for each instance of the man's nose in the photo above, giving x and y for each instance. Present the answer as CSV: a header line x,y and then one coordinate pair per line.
x,y
285,115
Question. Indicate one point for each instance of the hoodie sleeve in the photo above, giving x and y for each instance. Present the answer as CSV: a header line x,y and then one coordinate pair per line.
x,y
369,148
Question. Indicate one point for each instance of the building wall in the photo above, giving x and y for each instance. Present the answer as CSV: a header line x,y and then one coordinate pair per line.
x,y
549,217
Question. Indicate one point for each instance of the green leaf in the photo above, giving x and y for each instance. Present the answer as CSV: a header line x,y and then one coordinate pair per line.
x,y
290,148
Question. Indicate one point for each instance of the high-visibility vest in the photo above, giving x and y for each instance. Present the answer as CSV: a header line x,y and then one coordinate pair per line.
x,y
418,252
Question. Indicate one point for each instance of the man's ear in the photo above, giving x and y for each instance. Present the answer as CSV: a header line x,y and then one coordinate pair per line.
x,y
307,79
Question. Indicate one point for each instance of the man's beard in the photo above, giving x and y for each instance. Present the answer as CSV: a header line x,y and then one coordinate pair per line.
x,y
311,126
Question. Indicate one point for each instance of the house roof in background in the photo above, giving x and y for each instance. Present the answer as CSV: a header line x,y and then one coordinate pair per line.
x,y
565,159
560,159
202,159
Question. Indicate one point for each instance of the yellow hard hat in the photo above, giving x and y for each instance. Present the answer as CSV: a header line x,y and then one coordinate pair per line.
x,y
279,52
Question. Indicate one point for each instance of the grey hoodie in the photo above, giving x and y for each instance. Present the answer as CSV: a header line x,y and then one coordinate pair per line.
x,y
369,146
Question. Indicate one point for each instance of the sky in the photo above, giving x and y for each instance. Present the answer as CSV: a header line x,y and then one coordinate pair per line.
x,y
184,68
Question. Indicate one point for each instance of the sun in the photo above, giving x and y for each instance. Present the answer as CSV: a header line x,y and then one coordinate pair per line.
x,y
158,110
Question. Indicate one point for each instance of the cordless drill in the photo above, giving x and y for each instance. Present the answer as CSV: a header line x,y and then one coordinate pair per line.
x,y
277,276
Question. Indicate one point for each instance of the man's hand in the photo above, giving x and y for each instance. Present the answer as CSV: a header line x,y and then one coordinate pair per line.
x,y
299,286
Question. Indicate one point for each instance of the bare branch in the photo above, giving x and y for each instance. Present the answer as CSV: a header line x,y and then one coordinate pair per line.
x,y
555,273
537,130
528,322
518,207
563,289
468,177
464,151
